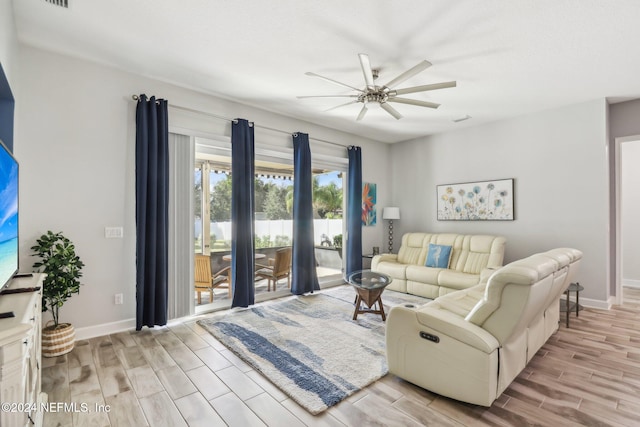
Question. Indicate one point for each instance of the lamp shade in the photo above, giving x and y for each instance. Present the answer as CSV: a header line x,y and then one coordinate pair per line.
x,y
391,213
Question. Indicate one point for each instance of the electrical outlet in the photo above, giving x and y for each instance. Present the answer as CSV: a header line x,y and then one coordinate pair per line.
x,y
118,298
113,232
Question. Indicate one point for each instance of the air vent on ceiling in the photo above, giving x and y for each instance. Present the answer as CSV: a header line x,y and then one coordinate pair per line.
x,y
61,3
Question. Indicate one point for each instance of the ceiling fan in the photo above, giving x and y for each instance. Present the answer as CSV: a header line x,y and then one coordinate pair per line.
x,y
383,94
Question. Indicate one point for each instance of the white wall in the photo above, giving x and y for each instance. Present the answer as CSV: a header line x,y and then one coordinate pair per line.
x,y
559,161
630,212
77,127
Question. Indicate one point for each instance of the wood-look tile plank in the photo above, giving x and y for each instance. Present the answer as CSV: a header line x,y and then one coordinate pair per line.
x,y
96,414
144,381
125,410
197,412
55,382
213,359
271,412
122,339
184,357
131,357
157,357
161,411
423,414
83,379
168,339
238,363
113,380
267,385
207,382
377,407
103,353
235,412
190,338
175,382
81,354
323,419
239,383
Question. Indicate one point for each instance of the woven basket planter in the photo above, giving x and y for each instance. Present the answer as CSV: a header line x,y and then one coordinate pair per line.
x,y
58,340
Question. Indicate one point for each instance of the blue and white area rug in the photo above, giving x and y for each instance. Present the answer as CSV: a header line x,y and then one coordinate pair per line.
x,y
309,346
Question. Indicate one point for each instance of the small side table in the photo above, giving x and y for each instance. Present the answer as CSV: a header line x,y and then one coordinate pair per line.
x,y
569,305
369,285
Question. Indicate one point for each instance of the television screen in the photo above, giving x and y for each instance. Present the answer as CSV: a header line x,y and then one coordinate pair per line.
x,y
8,215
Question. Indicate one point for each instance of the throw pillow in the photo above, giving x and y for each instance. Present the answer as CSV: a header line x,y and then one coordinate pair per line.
x,y
438,256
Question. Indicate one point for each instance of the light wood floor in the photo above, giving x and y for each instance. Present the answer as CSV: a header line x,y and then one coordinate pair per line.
x,y
587,375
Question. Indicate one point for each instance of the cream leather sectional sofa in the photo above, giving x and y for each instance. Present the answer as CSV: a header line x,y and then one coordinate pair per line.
x,y
470,345
473,258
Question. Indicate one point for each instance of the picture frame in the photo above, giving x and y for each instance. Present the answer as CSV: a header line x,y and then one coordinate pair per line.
x,y
491,200
369,201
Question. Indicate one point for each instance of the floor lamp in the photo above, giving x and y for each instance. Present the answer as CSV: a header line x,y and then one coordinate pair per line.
x,y
391,213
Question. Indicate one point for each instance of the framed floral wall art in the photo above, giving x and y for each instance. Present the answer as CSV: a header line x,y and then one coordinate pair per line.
x,y
476,201
368,204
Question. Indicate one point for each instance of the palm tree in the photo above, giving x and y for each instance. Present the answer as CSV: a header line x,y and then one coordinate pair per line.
x,y
328,200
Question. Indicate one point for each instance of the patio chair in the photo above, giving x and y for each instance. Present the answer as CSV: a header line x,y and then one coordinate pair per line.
x,y
205,280
278,268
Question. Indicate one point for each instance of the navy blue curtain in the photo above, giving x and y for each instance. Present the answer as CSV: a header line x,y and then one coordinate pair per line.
x,y
242,208
354,211
303,265
152,227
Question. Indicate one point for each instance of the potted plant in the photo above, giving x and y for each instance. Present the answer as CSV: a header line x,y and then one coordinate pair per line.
x,y
63,268
337,241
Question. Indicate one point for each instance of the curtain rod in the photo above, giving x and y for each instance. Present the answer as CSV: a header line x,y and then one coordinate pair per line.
x,y
178,107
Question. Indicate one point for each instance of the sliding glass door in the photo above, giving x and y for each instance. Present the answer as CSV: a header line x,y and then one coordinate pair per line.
x,y
273,218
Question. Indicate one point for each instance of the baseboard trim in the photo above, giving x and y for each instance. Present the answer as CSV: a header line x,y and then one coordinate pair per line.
x,y
594,303
105,329
629,283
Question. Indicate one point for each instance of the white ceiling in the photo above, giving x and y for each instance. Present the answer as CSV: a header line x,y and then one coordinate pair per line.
x,y
509,57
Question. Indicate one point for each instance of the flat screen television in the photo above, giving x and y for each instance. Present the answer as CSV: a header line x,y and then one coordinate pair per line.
x,y
8,215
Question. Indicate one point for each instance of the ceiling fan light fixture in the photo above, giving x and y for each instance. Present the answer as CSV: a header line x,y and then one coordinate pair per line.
x,y
384,94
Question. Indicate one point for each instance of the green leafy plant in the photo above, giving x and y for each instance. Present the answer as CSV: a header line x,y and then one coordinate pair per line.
x,y
337,240
63,267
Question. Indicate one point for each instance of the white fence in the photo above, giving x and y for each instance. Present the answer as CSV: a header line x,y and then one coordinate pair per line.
x,y
327,227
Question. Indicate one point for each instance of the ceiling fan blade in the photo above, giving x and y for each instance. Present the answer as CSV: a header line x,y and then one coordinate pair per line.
x,y
366,68
389,109
341,105
362,112
413,102
309,73
422,88
327,96
409,73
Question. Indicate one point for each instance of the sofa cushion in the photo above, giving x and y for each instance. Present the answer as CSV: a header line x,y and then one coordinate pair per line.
x,y
457,280
394,269
476,262
438,256
419,273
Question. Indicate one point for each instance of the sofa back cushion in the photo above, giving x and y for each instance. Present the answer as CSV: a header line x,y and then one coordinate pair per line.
x,y
413,250
477,252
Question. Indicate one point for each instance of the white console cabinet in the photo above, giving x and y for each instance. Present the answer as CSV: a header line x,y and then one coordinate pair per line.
x,y
20,358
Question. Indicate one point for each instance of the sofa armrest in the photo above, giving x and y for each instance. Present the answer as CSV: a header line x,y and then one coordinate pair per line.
x,y
456,327
381,258
486,273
